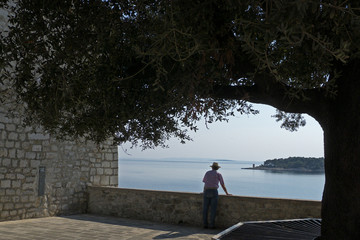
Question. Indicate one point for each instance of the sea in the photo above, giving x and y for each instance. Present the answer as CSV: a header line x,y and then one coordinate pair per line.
x,y
185,175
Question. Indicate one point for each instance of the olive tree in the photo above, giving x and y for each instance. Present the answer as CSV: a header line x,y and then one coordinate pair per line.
x,y
143,71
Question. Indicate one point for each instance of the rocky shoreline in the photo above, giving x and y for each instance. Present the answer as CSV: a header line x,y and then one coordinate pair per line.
x,y
304,170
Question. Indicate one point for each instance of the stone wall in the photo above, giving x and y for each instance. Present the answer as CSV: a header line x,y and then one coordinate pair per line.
x,y
39,175
186,208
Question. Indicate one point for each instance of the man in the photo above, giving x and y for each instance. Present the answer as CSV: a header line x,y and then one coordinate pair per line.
x,y
211,180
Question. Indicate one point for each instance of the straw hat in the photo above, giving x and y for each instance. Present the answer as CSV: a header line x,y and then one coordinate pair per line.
x,y
215,165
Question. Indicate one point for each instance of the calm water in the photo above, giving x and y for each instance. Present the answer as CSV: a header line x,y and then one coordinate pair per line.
x,y
186,175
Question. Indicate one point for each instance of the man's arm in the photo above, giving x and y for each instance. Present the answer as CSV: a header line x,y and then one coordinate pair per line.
x,y
224,188
222,183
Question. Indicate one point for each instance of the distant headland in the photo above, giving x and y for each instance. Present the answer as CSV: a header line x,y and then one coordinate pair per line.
x,y
298,164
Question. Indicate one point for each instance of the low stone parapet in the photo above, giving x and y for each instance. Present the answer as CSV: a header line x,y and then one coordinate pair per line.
x,y
186,208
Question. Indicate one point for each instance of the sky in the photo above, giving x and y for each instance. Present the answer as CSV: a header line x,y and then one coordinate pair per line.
x,y
254,138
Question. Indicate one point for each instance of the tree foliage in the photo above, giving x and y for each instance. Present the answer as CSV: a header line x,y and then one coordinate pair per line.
x,y
143,71
314,164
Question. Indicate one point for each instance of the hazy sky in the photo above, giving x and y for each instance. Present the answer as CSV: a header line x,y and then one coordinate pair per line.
x,y
247,137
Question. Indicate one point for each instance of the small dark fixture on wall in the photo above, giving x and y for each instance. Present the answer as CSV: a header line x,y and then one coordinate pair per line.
x,y
41,187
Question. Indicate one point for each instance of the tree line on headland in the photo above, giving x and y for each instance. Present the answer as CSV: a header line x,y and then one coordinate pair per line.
x,y
293,163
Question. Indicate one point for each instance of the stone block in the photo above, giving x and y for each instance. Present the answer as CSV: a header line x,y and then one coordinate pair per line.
x,y
24,163
40,155
10,127
13,136
104,180
30,215
114,180
9,144
25,145
18,205
3,135
36,148
22,137
38,136
6,162
52,155
109,156
21,212
10,176
27,186
4,214
35,163
108,171
12,153
4,198
20,153
46,149
114,164
13,213
24,199
16,184
8,206
106,164
20,176
100,171
10,192
84,163
3,153
14,163
30,155
28,192
30,179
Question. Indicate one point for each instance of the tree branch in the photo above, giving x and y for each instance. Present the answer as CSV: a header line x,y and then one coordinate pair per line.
x,y
267,90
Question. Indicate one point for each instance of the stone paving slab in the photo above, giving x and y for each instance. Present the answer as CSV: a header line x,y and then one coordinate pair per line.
x,y
87,226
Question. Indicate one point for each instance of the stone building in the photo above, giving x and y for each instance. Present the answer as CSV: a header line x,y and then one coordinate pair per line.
x,y
41,176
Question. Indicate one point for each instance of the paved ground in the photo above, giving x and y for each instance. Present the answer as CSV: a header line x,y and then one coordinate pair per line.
x,y
86,226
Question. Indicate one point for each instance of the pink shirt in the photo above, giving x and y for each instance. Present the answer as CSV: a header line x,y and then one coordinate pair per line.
x,y
212,179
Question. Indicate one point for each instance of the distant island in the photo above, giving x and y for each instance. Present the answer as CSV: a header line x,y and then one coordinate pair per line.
x,y
299,164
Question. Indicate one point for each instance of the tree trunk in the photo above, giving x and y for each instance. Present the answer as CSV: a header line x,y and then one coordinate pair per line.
x,y
341,197
341,125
